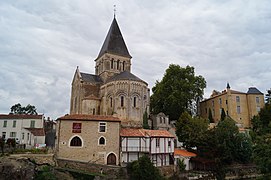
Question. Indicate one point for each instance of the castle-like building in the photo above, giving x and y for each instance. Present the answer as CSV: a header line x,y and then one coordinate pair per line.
x,y
113,89
240,106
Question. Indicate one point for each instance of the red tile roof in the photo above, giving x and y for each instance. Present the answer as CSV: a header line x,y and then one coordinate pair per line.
x,y
88,117
20,116
129,132
184,153
36,131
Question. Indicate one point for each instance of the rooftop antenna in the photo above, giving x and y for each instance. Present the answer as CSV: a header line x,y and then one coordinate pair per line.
x,y
115,11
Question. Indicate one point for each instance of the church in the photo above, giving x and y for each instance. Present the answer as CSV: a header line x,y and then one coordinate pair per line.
x,y
113,89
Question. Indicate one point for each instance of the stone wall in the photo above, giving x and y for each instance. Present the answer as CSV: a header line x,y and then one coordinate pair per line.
x,y
112,172
167,170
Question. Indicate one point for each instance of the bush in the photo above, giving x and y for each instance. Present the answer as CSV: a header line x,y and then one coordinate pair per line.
x,y
143,169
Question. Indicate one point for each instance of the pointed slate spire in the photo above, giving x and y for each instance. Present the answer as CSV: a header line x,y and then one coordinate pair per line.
x,y
114,42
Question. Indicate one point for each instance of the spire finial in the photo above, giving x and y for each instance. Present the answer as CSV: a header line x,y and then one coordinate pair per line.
x,y
228,85
115,10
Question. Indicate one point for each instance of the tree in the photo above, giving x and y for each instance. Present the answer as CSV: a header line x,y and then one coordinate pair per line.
x,y
268,97
177,92
145,121
2,144
191,130
19,109
210,116
223,114
143,169
262,138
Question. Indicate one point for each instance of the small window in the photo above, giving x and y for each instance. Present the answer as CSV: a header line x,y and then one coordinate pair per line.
x,y
226,101
22,135
4,135
164,120
76,141
102,127
169,143
213,103
112,63
257,100
118,64
5,124
28,136
220,101
93,111
13,134
238,110
157,142
111,102
258,108
121,101
238,98
134,101
102,141
14,124
123,65
32,124
161,120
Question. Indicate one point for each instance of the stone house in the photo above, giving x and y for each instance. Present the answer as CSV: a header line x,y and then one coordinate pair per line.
x,y
238,105
88,138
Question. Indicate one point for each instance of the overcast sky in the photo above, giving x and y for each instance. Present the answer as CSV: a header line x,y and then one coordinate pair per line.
x,y
42,42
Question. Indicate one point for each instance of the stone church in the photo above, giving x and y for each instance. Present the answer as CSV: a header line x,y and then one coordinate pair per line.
x,y
113,89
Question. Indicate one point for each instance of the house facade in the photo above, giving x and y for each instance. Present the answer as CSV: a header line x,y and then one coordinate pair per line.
x,y
88,138
25,129
238,105
113,89
157,144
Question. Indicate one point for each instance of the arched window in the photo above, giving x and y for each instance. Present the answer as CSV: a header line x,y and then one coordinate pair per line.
x,y
112,63
134,101
102,141
111,102
118,64
121,101
76,141
123,65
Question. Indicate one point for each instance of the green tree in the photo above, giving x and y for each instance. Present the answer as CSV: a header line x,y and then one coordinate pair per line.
x,y
191,130
262,138
210,116
223,114
177,92
143,169
2,144
19,109
145,121
268,97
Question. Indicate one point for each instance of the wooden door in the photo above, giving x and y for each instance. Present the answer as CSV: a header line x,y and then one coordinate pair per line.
x,y
111,159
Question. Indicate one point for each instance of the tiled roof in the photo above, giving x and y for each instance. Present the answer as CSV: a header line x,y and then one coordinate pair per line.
x,y
90,78
184,153
88,117
20,116
130,132
125,75
36,131
253,90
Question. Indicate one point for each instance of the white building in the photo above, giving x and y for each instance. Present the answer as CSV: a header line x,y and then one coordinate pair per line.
x,y
182,154
26,129
157,144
